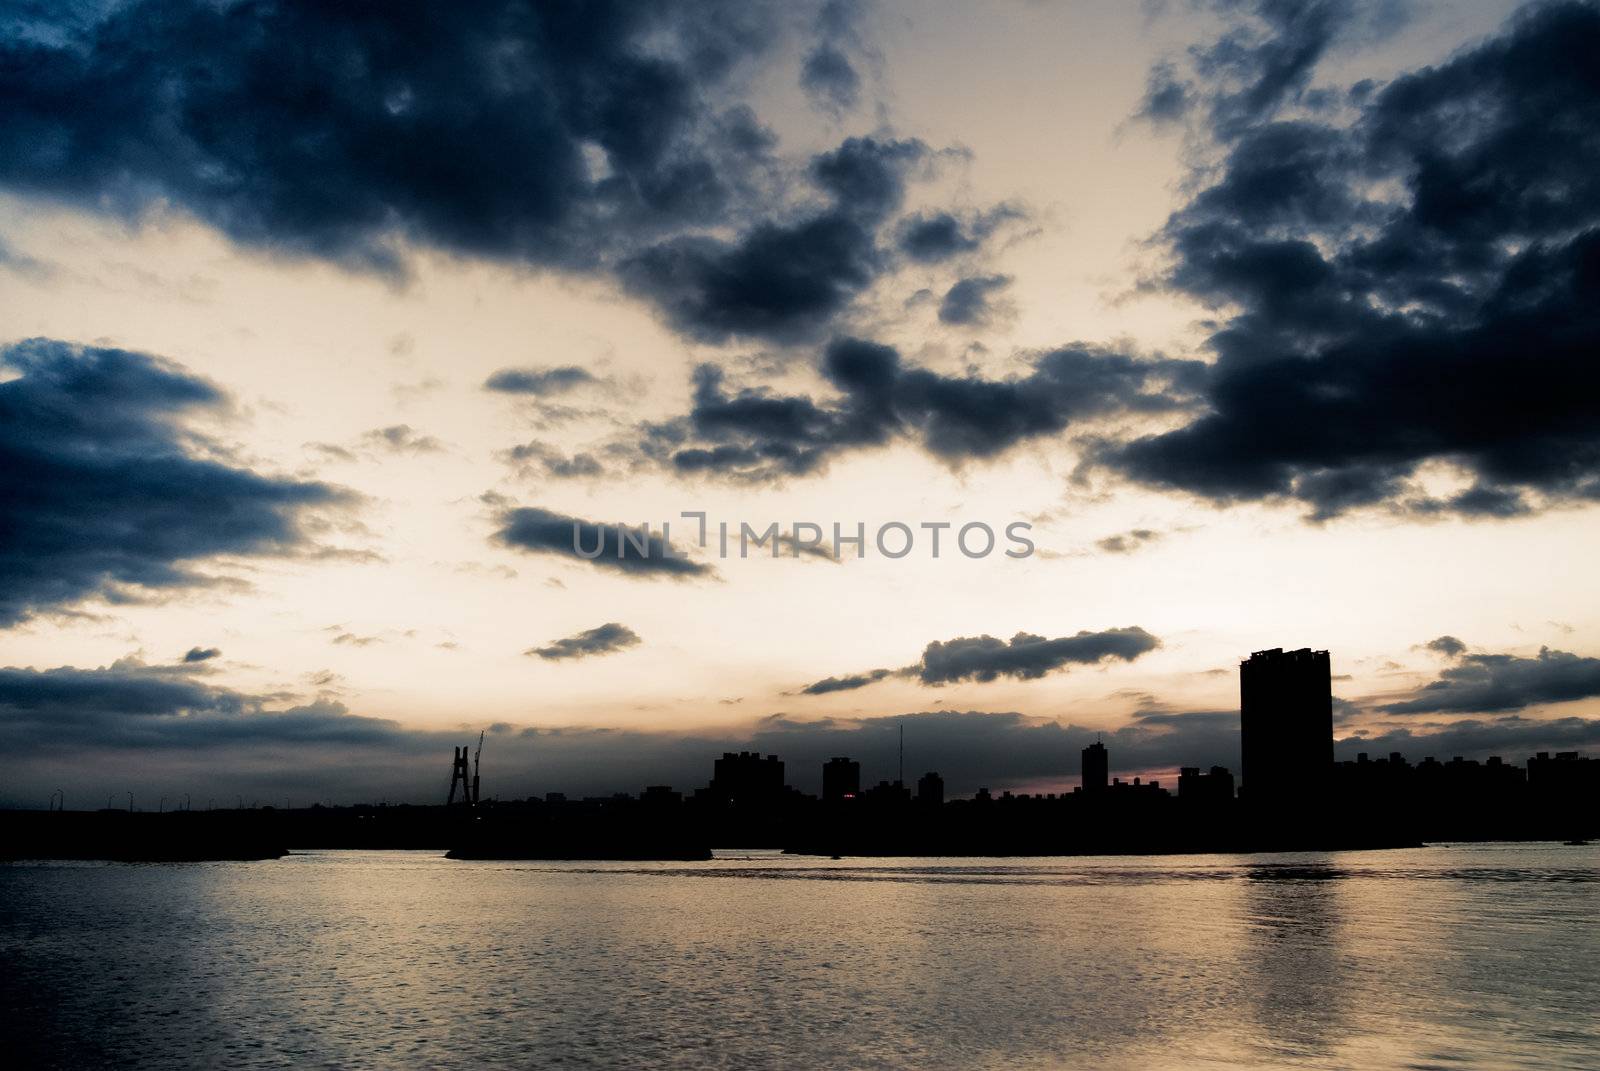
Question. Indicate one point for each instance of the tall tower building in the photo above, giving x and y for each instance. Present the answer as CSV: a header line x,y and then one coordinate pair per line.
x,y
841,779
1286,727
747,780
1096,767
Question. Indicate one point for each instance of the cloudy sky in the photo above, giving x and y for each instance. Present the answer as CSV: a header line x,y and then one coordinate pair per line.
x,y
323,330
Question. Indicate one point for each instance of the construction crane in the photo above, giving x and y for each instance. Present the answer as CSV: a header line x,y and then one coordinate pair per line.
x,y
476,757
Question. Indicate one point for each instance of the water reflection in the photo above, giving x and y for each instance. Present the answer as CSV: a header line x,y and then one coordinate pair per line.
x,y
1295,965
1453,957
1295,872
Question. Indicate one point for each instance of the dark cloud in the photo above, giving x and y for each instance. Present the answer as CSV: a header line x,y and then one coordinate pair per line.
x,y
333,451
1026,656
755,434
1412,279
1486,683
603,639
608,138
1448,646
131,727
784,280
866,177
934,237
549,416
539,381
202,654
493,128
127,691
845,683
1167,98
1266,60
135,709
547,460
811,545
777,281
106,494
402,439
828,75
644,555
1127,542
830,79
968,302
392,439
984,658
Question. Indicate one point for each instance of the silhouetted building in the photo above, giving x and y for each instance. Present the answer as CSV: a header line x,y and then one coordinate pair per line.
x,y
887,792
1096,767
841,779
1208,788
1567,789
1567,773
1286,727
930,789
745,779
660,796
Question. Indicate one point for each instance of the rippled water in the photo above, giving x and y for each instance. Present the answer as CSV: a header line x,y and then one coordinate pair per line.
x,y
1481,957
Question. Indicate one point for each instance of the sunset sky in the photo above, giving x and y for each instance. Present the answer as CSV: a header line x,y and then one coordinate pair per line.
x,y
1277,322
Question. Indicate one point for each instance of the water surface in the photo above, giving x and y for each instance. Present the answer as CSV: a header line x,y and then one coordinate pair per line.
x,y
1448,957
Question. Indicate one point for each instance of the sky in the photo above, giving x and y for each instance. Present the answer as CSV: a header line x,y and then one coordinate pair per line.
x,y
330,338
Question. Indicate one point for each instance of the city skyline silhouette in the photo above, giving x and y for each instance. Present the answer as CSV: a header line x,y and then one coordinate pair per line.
x,y
1292,795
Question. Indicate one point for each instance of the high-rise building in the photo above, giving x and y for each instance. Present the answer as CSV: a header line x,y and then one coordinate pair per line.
x,y
930,789
841,779
1286,727
1096,767
745,779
